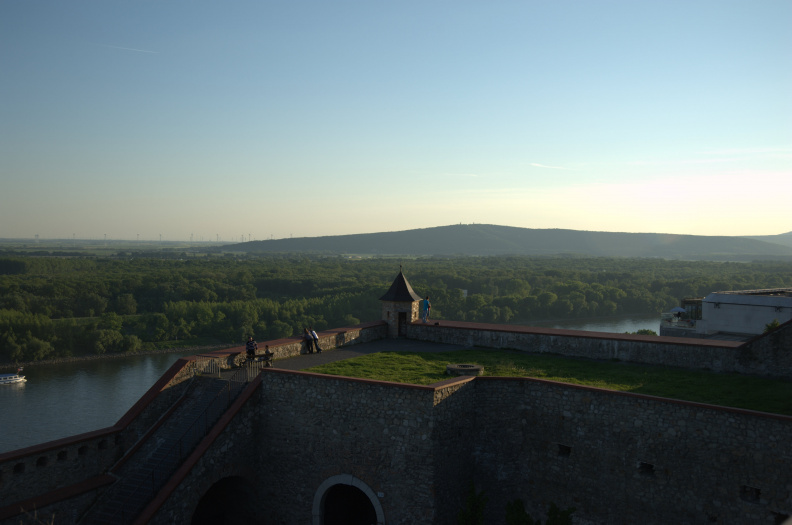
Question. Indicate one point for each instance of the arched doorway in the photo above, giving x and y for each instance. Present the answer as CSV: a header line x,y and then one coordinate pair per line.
x,y
347,505
346,500
229,501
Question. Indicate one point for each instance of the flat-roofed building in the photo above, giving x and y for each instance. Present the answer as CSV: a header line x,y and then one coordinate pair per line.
x,y
738,314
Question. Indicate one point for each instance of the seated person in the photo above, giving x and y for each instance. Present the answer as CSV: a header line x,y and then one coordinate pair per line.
x,y
268,354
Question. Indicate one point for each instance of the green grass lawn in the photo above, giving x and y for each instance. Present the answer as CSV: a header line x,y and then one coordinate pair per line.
x,y
733,390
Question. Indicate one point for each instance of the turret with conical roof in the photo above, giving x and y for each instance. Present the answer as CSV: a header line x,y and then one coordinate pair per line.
x,y
399,305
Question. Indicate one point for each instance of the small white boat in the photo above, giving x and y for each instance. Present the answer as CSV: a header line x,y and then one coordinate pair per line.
x,y
7,379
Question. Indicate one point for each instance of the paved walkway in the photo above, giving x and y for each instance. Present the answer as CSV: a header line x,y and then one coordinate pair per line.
x,y
304,361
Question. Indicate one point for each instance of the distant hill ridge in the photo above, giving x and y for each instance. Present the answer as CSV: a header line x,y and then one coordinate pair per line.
x,y
488,239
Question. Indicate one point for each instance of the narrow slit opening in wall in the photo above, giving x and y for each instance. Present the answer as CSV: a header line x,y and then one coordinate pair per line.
x,y
750,494
19,468
42,461
646,469
63,455
82,450
564,450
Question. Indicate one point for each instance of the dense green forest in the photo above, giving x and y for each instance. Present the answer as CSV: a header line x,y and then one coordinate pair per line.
x,y
63,306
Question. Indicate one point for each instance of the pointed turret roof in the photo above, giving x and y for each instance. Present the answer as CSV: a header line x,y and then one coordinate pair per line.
x,y
400,290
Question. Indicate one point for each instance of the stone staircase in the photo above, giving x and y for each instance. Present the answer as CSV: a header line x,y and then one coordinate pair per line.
x,y
142,475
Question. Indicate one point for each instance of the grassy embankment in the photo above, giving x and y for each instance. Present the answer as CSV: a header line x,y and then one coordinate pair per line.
x,y
732,390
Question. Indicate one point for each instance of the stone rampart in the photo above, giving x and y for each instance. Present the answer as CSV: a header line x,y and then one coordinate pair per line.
x,y
628,458
301,430
616,457
59,469
767,356
381,433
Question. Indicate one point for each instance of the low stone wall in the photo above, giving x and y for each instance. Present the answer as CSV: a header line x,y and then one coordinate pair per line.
x,y
40,469
768,356
294,346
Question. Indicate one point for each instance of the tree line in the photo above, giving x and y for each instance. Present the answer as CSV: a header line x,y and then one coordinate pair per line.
x,y
65,306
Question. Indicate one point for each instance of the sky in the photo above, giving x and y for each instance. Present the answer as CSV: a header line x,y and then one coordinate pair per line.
x,y
237,120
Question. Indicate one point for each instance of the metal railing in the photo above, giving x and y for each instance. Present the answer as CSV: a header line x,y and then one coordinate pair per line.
x,y
207,366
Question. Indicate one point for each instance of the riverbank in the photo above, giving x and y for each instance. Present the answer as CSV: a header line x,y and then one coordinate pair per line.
x,y
74,359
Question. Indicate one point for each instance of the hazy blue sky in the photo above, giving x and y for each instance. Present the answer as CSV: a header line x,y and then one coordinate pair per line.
x,y
306,118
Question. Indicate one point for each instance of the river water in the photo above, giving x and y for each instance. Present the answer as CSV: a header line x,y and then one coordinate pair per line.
x,y
71,398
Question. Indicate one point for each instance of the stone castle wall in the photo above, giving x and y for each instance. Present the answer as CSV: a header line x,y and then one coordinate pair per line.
x,y
315,427
77,465
767,356
616,457
410,445
228,452
628,458
453,447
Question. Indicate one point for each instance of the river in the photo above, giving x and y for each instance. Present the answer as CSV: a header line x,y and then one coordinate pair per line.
x,y
71,398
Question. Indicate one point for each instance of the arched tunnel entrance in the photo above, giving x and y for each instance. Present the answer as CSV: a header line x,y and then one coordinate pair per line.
x,y
346,500
229,501
348,505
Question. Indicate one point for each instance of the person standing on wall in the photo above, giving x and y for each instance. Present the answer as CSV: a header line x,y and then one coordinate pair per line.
x,y
425,307
250,348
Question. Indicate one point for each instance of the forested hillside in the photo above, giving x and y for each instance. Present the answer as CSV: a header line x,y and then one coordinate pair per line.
x,y
490,239
63,306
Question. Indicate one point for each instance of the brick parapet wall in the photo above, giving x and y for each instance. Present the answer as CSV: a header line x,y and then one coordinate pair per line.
x,y
622,458
758,357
